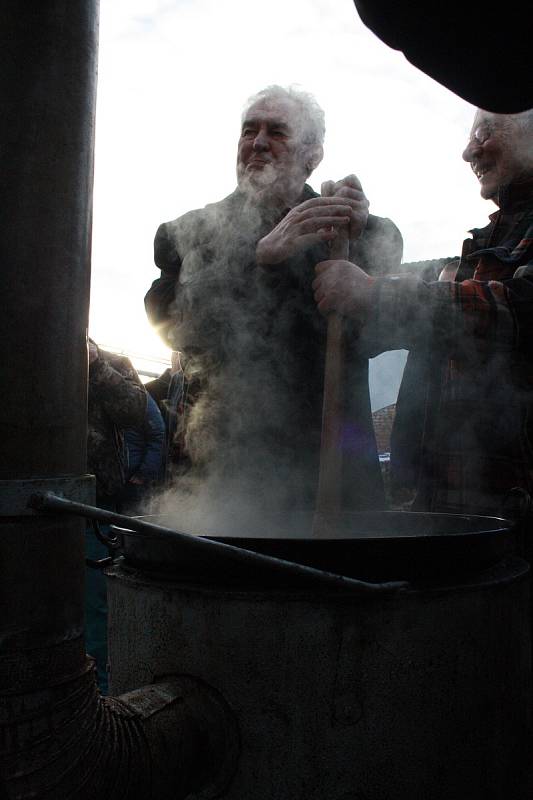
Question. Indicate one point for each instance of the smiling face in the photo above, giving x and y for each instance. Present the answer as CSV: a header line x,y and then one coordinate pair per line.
x,y
500,151
272,157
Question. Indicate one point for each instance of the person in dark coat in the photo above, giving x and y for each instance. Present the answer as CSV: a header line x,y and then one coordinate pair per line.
x,y
235,298
145,450
117,399
169,390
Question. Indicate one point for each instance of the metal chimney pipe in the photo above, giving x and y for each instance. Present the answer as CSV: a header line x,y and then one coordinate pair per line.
x,y
59,738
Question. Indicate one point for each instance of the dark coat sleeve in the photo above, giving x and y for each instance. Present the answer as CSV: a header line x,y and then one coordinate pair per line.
x,y
146,445
379,249
162,292
158,388
115,386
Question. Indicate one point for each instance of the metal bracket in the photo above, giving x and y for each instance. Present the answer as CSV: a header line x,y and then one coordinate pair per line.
x,y
111,542
15,495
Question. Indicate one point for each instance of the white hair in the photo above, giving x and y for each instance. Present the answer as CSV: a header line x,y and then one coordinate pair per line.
x,y
311,117
524,119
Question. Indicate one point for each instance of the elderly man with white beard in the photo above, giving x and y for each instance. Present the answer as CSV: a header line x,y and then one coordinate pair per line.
x,y
464,422
235,298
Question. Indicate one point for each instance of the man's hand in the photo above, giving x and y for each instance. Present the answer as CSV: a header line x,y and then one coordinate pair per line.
x,y
350,190
343,287
312,221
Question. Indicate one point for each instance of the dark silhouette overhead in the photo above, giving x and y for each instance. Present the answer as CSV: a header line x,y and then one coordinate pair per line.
x,y
479,51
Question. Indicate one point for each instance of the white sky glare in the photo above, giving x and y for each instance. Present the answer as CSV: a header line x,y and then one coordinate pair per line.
x,y
173,77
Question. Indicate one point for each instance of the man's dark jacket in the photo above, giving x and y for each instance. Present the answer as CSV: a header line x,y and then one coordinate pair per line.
x,y
463,433
254,346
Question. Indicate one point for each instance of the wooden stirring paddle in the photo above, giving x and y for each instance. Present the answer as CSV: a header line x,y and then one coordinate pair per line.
x,y
329,494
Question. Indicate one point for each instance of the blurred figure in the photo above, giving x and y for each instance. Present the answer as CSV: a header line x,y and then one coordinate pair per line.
x,y
234,295
170,391
467,411
145,449
116,400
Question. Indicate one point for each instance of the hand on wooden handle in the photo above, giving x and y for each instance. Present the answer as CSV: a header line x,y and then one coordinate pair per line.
x,y
351,192
340,246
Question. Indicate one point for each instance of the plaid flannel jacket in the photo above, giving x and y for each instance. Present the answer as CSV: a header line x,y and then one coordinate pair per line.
x,y
463,433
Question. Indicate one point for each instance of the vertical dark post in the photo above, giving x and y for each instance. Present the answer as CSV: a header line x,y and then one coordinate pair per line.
x,y
57,736
47,92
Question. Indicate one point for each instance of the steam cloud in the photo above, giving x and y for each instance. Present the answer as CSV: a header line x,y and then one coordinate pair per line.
x,y
254,343
255,340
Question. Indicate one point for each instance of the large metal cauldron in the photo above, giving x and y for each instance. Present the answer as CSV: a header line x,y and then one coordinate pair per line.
x,y
343,694
375,546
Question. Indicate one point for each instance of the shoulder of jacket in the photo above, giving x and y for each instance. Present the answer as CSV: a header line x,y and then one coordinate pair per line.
x,y
120,363
197,216
375,223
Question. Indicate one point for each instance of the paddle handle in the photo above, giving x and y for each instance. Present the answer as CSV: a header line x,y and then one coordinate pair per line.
x,y
329,494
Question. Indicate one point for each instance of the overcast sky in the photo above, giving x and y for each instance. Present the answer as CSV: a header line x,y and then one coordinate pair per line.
x,y
173,76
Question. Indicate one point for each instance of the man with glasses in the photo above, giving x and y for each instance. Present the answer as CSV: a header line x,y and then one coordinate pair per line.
x,y
469,424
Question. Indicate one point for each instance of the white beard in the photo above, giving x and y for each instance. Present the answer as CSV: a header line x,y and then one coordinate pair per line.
x,y
270,186
257,181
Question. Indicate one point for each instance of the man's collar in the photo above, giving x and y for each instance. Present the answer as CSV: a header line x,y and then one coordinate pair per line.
x,y
515,194
307,193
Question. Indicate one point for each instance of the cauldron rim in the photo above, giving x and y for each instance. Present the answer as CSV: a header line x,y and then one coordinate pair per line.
x,y
372,558
430,525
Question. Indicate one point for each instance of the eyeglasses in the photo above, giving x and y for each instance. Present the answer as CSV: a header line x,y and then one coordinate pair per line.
x,y
480,134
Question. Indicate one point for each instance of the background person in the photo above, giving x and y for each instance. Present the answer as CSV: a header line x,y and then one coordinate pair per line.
x,y
116,399
145,450
169,390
